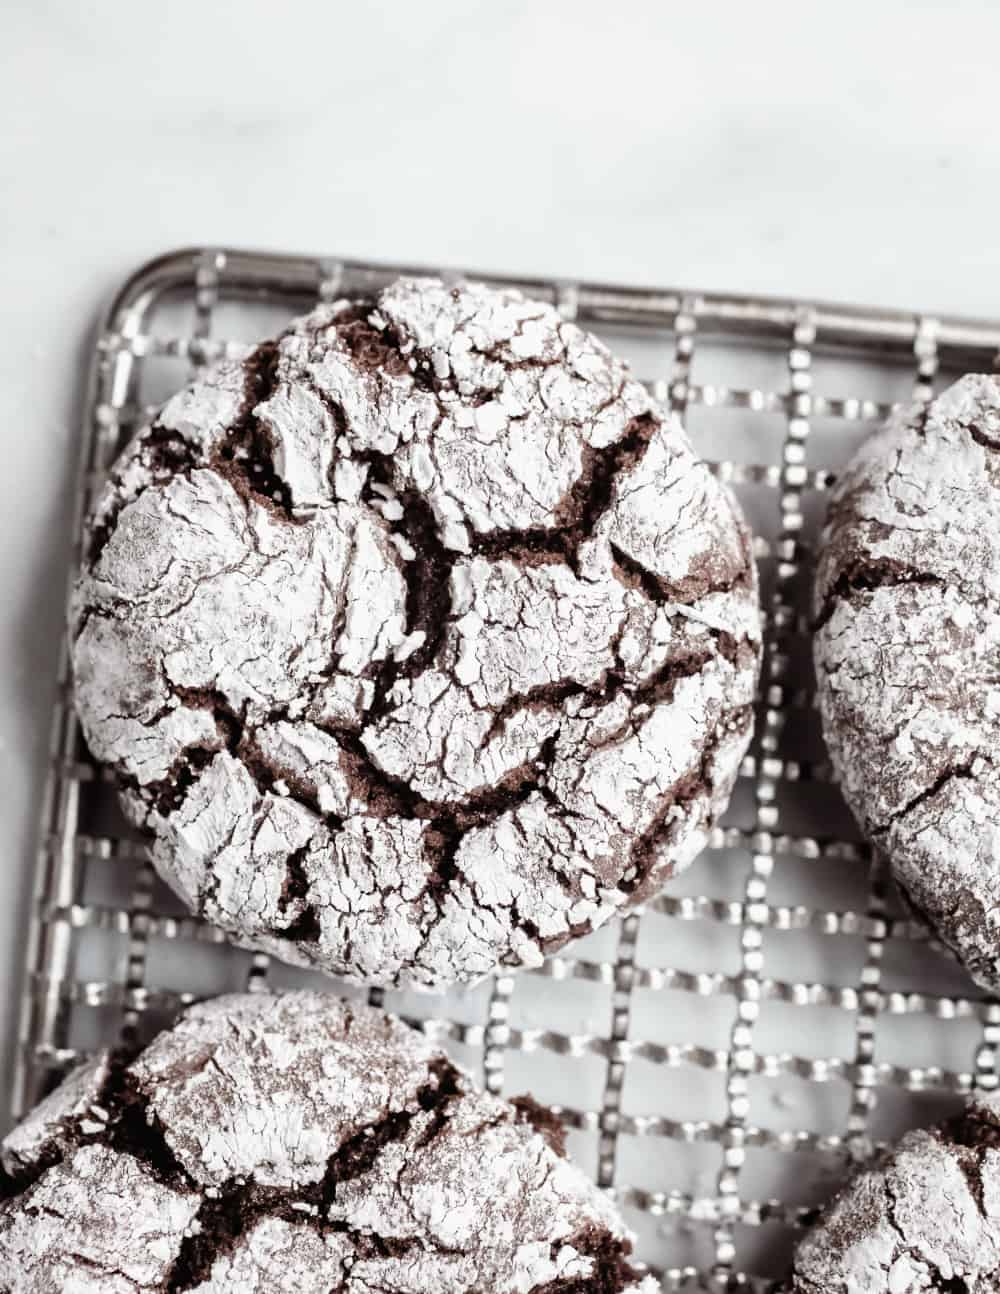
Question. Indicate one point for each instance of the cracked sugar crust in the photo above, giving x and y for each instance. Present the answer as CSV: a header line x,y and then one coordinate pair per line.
x,y
420,641
924,1217
907,652
301,1142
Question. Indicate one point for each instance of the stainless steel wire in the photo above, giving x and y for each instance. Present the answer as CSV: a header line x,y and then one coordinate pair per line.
x,y
722,1057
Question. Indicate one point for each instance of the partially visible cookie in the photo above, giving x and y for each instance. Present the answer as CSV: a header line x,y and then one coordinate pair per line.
x,y
924,1218
297,1142
907,650
420,641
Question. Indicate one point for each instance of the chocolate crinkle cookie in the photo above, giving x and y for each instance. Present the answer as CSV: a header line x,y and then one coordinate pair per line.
x,y
925,1219
420,640
297,1142
907,651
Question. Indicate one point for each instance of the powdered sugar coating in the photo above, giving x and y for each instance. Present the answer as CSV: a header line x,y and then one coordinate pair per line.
x,y
301,1142
282,1079
55,1120
926,1217
94,1223
421,642
908,658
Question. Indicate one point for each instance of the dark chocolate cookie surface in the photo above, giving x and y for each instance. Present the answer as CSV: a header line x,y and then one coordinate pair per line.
x,y
907,653
420,641
301,1143
925,1219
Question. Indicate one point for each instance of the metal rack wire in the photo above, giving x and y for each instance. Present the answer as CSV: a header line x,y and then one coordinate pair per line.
x,y
720,1057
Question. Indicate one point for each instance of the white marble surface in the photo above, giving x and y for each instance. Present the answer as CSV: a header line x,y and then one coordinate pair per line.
x,y
842,151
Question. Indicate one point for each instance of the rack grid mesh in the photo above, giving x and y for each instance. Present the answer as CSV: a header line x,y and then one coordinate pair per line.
x,y
721,1057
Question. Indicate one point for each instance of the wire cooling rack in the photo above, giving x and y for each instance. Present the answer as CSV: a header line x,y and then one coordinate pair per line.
x,y
722,1056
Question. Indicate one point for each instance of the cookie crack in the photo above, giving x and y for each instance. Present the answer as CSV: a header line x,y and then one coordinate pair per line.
x,y
165,795
427,577
130,1128
382,347
305,926
135,1130
246,456
956,771
633,574
448,822
864,576
427,574
612,1271
696,783
981,438
167,455
226,1216
577,516
93,1264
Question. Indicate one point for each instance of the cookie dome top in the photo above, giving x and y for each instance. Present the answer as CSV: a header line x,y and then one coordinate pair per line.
x,y
295,1142
907,653
420,640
